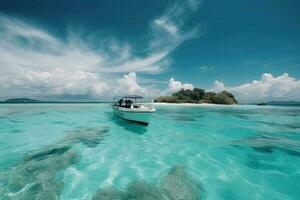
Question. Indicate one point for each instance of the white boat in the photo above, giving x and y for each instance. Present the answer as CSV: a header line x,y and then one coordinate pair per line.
x,y
128,108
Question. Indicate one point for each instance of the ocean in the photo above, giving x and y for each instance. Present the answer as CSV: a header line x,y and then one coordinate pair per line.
x,y
83,151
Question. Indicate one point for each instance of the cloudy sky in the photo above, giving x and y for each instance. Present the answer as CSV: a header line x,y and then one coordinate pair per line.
x,y
93,50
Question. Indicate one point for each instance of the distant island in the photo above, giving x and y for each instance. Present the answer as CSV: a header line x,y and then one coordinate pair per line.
x,y
21,100
198,95
261,104
279,103
29,100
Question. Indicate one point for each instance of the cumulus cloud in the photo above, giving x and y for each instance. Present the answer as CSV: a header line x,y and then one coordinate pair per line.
x,y
129,84
35,62
55,82
219,86
283,87
175,86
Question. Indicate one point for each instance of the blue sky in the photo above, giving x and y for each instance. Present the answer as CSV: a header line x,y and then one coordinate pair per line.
x,y
86,49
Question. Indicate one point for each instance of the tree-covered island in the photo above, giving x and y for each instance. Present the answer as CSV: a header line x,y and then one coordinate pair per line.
x,y
21,100
198,95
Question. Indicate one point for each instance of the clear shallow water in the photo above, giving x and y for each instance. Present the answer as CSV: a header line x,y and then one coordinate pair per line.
x,y
82,151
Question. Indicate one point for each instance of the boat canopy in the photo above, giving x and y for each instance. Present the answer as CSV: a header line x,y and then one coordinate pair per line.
x,y
132,97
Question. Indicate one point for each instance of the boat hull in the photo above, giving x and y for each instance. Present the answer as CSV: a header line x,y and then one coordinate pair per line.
x,y
142,117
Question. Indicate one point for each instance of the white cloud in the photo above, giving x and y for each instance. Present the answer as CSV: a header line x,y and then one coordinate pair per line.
x,y
175,86
194,4
149,64
128,84
56,82
167,25
35,62
27,46
218,86
169,30
283,87
206,68
277,62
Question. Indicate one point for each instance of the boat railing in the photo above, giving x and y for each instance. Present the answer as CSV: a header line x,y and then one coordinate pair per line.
x,y
148,105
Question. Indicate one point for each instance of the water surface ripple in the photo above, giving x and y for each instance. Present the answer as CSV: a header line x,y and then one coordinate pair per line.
x,y
83,151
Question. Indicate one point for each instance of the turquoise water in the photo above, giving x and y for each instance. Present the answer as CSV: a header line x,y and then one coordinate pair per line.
x,y
82,151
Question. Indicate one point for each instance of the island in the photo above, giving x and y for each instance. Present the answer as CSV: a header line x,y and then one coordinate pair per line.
x,y
283,103
21,100
30,100
261,104
198,95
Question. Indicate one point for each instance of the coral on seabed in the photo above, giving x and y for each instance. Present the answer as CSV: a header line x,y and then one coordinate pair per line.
x,y
35,177
176,185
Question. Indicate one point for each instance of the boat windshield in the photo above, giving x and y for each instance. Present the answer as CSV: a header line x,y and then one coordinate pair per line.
x,y
128,101
132,101
124,103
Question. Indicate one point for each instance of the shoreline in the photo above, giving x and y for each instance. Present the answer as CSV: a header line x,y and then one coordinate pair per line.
x,y
191,104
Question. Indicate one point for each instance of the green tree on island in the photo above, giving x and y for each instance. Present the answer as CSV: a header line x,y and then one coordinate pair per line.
x,y
198,95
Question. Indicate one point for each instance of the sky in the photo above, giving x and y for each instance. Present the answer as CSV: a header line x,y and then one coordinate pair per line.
x,y
97,49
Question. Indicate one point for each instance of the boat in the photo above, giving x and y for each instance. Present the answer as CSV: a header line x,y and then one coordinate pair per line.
x,y
128,108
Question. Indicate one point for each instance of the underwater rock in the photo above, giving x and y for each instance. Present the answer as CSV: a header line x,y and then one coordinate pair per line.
x,y
179,185
16,131
145,191
228,194
176,185
184,118
267,144
109,193
36,176
241,116
280,125
184,112
134,191
264,149
48,152
293,125
262,163
90,137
